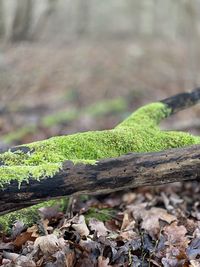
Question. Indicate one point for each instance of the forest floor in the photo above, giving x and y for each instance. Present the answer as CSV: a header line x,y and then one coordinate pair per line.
x,y
63,89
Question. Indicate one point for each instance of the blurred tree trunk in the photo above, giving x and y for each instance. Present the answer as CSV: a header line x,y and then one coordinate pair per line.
x,y
147,17
2,20
83,17
43,19
135,14
22,20
192,36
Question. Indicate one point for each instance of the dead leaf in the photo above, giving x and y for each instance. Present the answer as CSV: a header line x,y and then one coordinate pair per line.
x,y
103,262
24,261
127,224
10,256
18,260
6,246
166,201
176,244
194,263
64,259
85,261
113,225
22,239
5,262
127,235
17,228
194,248
98,227
48,244
129,197
50,213
33,230
80,226
150,219
44,227
176,235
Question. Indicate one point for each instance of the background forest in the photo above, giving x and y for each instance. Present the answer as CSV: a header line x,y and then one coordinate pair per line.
x,y
58,56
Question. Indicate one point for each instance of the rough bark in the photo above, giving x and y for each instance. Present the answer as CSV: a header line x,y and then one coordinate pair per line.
x,y
128,171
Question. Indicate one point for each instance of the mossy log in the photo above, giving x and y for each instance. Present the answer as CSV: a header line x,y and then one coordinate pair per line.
x,y
102,161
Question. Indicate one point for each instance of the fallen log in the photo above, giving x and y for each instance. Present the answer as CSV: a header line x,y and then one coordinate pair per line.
x,y
106,175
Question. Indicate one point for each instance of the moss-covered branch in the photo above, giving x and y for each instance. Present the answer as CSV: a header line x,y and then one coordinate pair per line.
x,y
46,168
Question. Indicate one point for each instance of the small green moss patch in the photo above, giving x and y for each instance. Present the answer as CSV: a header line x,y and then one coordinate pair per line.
x,y
28,216
99,214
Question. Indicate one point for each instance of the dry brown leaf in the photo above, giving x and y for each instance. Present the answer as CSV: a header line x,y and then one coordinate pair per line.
x,y
127,224
18,260
44,224
5,262
50,213
150,218
80,226
125,221
70,258
24,261
129,197
98,227
64,259
176,243
66,224
176,235
194,263
103,262
33,230
113,225
48,244
22,239
128,235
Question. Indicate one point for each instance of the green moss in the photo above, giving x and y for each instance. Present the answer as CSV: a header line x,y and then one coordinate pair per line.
x,y
99,214
138,133
28,216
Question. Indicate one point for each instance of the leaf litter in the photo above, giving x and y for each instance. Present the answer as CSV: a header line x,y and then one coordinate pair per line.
x,y
156,226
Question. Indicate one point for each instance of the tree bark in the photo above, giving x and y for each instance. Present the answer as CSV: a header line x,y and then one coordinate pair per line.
x,y
2,20
128,171
43,19
83,17
22,20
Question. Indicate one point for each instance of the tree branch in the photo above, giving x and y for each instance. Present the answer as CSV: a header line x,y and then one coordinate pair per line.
x,y
183,100
127,171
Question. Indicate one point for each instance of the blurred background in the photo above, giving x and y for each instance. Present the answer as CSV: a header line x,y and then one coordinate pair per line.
x,y
78,65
